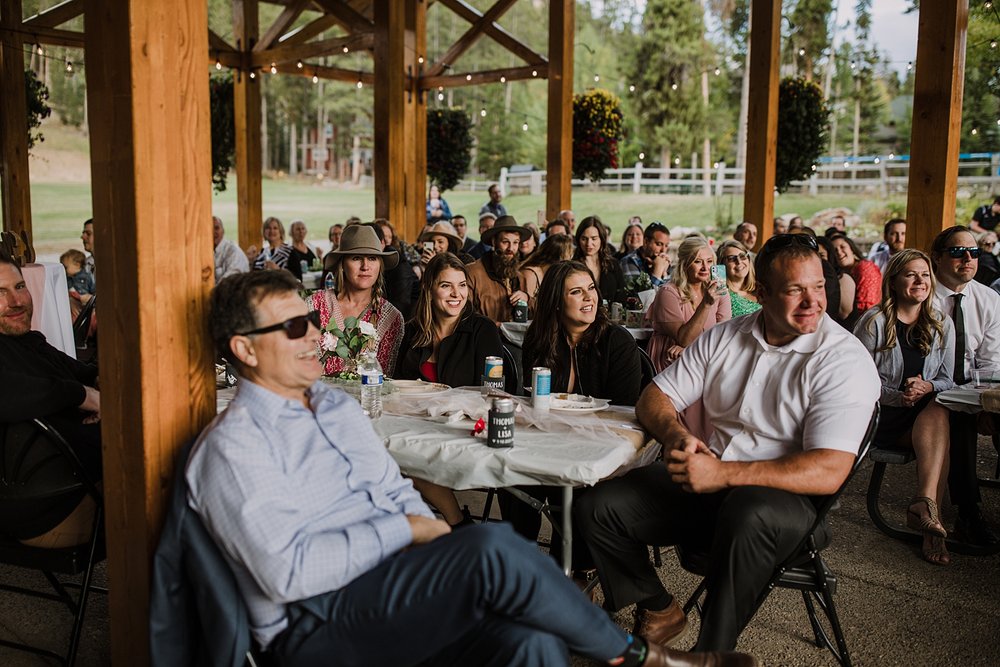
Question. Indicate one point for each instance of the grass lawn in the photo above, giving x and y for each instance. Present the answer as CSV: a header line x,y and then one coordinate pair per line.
x,y
59,209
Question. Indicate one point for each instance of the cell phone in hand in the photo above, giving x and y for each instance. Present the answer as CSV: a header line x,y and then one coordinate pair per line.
x,y
429,245
719,276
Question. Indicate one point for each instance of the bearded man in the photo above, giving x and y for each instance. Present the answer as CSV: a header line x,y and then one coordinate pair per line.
x,y
493,278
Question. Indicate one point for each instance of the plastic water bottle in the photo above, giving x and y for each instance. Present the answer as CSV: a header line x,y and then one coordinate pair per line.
x,y
371,385
329,283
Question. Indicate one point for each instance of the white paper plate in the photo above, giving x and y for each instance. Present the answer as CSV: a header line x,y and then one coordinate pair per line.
x,y
418,388
578,404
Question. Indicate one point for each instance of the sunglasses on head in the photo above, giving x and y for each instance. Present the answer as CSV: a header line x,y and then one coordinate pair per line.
x,y
295,327
958,252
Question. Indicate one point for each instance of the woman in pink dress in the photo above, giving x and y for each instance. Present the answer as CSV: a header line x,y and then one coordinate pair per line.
x,y
688,305
360,262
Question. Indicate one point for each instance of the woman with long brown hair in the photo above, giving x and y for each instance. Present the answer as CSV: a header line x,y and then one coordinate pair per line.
x,y
593,250
359,266
913,346
446,342
531,272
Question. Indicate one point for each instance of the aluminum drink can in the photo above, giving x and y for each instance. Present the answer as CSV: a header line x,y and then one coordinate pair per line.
x,y
541,388
500,424
303,266
520,312
494,367
616,312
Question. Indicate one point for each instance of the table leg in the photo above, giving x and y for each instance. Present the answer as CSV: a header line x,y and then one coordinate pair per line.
x,y
567,531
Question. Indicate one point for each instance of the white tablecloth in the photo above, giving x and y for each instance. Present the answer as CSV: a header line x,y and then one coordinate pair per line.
x,y
577,451
514,332
46,283
964,398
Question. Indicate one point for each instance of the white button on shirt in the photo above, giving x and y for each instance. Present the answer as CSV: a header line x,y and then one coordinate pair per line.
x,y
981,311
765,402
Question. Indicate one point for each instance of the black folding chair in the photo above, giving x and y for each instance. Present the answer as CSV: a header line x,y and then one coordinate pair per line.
x,y
86,345
648,370
40,477
513,378
805,570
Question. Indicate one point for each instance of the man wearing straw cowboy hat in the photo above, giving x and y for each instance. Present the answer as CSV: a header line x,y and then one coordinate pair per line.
x,y
493,278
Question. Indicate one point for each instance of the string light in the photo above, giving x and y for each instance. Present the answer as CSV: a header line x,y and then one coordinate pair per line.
x,y
468,77
360,84
39,50
673,86
315,79
909,65
642,156
718,71
988,5
597,78
274,68
299,64
631,88
420,60
69,66
534,72
975,131
524,126
846,164
346,50
715,165
253,75
892,156
878,161
802,52
993,43
440,97
677,160
503,79
814,167
218,64
482,112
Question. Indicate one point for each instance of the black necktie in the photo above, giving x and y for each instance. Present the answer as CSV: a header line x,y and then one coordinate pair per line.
x,y
959,317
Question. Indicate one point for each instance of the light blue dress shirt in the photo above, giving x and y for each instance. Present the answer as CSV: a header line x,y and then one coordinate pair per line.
x,y
301,501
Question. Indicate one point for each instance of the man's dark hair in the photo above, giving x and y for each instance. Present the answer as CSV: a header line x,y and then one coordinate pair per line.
x,y
558,222
942,240
459,215
233,307
996,199
492,187
782,246
654,227
888,225
88,221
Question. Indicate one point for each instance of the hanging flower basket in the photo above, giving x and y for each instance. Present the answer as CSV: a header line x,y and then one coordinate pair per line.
x,y
597,131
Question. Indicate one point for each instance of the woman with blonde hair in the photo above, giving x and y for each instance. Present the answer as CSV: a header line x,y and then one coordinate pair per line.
x,y
913,346
740,278
691,303
358,276
273,255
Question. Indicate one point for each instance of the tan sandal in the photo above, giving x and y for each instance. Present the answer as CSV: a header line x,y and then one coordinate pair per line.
x,y
928,525
935,551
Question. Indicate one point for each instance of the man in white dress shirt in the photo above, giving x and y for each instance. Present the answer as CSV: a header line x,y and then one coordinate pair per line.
x,y
229,259
789,394
975,311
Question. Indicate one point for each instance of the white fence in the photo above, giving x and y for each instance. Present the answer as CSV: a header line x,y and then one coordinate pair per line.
x,y
884,176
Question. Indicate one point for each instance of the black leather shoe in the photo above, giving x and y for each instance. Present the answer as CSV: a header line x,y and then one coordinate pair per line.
x,y
975,530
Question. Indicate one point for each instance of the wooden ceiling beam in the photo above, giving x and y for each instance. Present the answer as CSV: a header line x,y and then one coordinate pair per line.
x,y
346,16
304,33
286,18
497,33
489,76
326,47
470,37
218,44
56,15
37,34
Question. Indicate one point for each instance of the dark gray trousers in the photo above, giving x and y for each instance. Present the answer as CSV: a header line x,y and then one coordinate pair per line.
x,y
747,532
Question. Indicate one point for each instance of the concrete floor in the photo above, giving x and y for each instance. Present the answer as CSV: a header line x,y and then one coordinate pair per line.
x,y
895,608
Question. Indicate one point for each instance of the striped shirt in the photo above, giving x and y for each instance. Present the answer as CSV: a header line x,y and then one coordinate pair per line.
x,y
300,501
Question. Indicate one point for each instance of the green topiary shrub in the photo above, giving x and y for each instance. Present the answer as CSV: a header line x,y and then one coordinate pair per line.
x,y
220,88
38,107
449,146
597,129
803,122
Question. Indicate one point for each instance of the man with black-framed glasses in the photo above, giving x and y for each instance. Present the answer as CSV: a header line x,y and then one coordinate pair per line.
x,y
975,310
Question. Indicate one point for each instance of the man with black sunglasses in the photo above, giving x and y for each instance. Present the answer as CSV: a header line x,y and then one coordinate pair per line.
x,y
975,310
335,555
788,394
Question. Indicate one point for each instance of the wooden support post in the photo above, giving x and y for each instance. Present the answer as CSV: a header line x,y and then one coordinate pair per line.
x,y
762,119
559,160
937,120
147,91
246,105
415,122
395,60
15,188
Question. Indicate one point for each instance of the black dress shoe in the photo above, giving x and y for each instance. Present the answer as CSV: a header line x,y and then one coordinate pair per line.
x,y
975,530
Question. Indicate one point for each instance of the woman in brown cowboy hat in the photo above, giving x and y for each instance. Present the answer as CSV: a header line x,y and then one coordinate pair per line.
x,y
358,275
445,239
